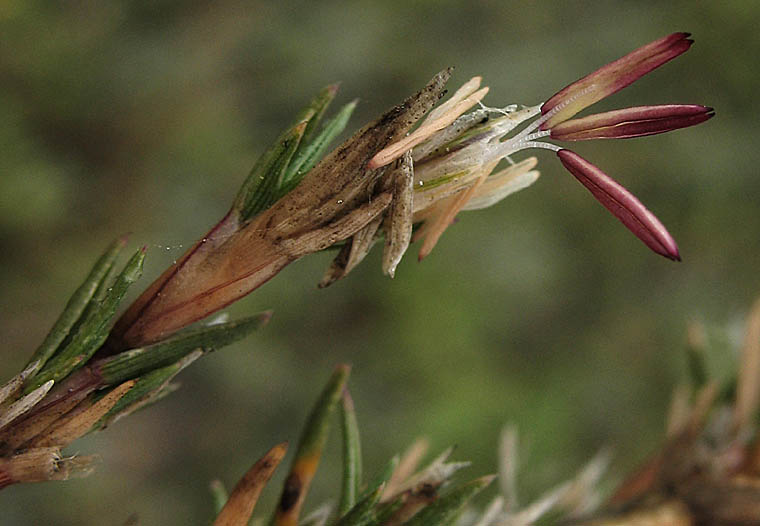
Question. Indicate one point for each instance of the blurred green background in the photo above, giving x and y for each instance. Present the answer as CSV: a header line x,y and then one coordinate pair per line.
x,y
544,311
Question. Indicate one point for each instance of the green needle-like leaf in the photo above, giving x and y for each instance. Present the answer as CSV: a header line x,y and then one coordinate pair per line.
x,y
362,513
218,494
135,362
77,304
446,509
309,451
149,388
263,185
309,154
384,476
317,107
94,330
296,152
260,189
352,461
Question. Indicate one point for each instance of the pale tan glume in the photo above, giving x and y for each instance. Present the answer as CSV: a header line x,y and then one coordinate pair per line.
x,y
475,188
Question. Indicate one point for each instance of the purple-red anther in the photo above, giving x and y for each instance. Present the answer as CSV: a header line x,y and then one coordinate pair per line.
x,y
632,122
623,205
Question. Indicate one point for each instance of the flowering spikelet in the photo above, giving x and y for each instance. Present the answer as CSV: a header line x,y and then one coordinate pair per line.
x,y
402,178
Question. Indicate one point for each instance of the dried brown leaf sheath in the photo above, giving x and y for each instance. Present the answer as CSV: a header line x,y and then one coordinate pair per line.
x,y
337,198
239,507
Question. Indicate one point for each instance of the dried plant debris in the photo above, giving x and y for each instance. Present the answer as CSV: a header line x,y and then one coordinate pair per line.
x,y
41,464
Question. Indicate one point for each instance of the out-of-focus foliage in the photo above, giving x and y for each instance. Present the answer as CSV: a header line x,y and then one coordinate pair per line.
x,y
146,117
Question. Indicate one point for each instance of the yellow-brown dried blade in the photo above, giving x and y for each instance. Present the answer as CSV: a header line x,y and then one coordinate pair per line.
x,y
241,502
70,427
406,467
19,433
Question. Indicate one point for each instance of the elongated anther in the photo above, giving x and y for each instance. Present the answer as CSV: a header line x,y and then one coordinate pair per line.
x,y
632,122
613,77
622,204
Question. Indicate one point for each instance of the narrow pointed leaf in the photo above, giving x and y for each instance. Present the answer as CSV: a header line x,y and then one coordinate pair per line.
x,y
147,389
135,362
239,507
76,423
315,110
24,404
77,304
613,77
44,415
363,513
218,494
632,122
12,386
435,474
309,451
447,509
403,468
509,466
383,478
260,189
622,204
352,457
277,167
93,331
308,155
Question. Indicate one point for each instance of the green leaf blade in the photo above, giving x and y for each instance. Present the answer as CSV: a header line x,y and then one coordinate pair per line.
x,y
260,189
77,304
317,107
446,510
308,156
94,330
352,461
363,513
309,452
135,362
148,388
219,495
